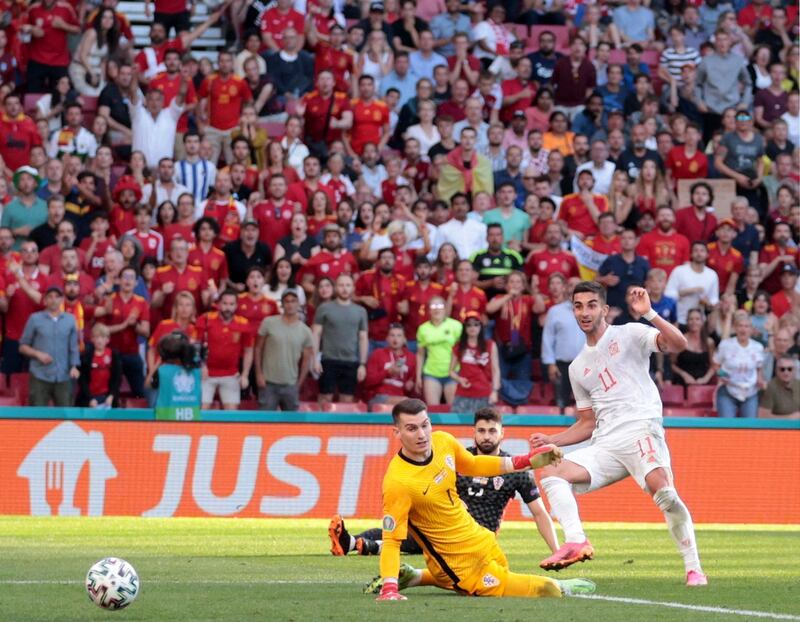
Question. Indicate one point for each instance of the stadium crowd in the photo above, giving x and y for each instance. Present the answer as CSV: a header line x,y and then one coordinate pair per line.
x,y
367,200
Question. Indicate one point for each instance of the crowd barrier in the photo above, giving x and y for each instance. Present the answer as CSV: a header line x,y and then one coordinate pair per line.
x,y
253,464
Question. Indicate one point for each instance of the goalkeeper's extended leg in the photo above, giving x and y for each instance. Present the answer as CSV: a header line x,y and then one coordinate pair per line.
x,y
531,586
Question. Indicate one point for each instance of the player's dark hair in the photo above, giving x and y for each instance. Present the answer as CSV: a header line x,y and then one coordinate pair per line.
x,y
409,406
487,414
590,287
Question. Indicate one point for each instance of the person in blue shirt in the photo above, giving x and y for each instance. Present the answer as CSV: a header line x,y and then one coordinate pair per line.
x,y
633,65
614,91
544,59
622,270
592,119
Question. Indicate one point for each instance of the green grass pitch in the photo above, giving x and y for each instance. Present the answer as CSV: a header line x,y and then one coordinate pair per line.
x,y
230,570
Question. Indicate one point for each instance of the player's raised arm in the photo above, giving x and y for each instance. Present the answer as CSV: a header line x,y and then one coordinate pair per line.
x,y
670,338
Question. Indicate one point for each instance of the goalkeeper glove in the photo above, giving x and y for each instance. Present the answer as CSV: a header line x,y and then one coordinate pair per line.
x,y
537,458
389,591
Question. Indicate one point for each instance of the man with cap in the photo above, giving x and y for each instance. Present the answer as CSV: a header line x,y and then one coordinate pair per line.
x,y
723,258
581,209
50,341
127,193
517,133
284,344
375,20
331,261
787,300
245,253
26,211
696,221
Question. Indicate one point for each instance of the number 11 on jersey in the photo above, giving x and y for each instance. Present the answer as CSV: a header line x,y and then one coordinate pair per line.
x,y
607,378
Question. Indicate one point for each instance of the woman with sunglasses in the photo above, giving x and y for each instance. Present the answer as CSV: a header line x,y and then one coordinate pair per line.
x,y
435,341
475,367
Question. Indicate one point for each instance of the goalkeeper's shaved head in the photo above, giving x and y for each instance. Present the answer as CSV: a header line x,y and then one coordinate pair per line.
x,y
408,406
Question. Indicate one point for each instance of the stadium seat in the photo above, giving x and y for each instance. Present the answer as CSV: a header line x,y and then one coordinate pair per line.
x,y
520,31
274,129
9,400
672,394
537,409
684,412
134,402
380,408
19,386
542,393
29,103
306,407
504,409
439,408
701,395
249,405
536,369
344,407
561,34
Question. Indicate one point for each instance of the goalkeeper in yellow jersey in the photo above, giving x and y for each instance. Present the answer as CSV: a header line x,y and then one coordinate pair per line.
x,y
420,498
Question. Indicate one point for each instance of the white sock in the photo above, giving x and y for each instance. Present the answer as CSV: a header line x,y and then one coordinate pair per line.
x,y
352,546
564,507
680,525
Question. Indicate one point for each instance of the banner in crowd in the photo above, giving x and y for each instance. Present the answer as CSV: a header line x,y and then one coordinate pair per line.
x,y
589,260
162,469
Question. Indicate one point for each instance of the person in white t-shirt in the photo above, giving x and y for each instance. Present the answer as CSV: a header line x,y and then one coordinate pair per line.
x,y
693,284
738,361
619,408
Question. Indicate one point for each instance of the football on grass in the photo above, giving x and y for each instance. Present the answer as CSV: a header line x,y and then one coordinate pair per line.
x,y
112,583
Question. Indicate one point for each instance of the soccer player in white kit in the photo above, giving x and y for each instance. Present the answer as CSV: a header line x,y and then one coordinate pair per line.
x,y
619,407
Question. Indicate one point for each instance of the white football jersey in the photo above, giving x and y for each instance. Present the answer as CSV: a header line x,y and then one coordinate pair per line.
x,y
612,378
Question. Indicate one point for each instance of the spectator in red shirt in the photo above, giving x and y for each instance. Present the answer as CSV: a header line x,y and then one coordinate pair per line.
x,y
606,241
787,300
418,294
127,193
696,222
326,113
381,291
724,259
391,370
330,262
18,134
773,257
229,339
664,247
150,60
24,289
574,79
332,56
370,119
581,210
98,242
276,20
254,304
207,255
176,277
274,215
182,318
169,83
99,382
464,296
475,367
301,192
49,22
221,97
170,13
552,259
128,318
686,161
513,314
518,93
